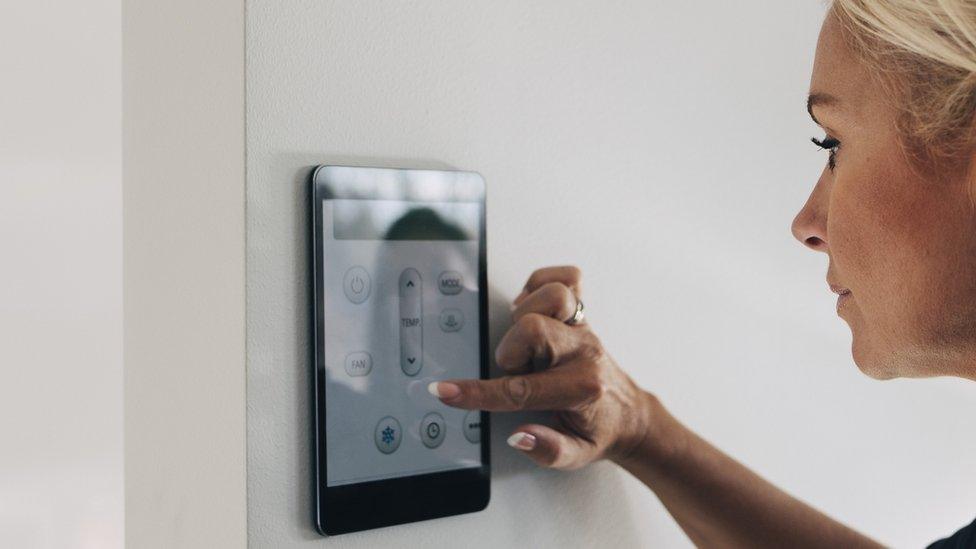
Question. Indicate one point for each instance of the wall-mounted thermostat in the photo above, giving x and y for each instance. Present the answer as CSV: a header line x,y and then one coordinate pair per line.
x,y
400,301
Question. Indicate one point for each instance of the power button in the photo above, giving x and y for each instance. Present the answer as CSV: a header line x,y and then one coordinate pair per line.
x,y
356,284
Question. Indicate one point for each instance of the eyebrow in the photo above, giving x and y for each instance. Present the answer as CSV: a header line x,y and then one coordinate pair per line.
x,y
815,99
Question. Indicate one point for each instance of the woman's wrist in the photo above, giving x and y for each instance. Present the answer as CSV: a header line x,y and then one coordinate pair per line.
x,y
654,439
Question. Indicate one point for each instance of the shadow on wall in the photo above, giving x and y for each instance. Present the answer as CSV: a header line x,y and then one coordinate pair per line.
x,y
581,498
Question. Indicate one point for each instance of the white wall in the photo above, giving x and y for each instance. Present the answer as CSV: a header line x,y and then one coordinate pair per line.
x,y
183,200
60,275
661,146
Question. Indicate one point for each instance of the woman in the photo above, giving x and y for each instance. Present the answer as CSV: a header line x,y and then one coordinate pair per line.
x,y
894,89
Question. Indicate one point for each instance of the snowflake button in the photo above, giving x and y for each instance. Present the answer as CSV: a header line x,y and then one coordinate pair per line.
x,y
387,435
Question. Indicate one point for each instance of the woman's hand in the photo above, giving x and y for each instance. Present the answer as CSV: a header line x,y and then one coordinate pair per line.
x,y
600,411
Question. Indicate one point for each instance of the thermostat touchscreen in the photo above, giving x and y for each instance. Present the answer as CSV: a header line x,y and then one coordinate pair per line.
x,y
400,300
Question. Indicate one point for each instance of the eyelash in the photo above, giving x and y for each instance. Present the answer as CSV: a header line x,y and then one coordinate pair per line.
x,y
830,144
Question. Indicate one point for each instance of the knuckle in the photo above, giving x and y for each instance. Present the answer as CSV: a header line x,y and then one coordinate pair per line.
x,y
593,389
560,299
567,301
500,356
517,391
534,278
532,326
506,351
506,359
575,273
591,349
550,290
592,386
554,457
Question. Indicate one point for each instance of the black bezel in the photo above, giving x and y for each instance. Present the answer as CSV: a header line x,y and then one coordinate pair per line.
x,y
355,507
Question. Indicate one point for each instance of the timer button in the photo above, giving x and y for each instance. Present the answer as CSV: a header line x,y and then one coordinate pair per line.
x,y
432,430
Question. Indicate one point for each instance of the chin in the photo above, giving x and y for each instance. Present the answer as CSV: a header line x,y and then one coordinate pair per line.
x,y
872,363
915,351
875,371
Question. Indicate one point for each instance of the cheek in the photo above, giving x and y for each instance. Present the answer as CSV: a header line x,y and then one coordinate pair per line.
x,y
863,254
869,228
873,238
903,247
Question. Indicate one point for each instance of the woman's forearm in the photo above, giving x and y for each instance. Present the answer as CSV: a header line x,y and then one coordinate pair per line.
x,y
719,502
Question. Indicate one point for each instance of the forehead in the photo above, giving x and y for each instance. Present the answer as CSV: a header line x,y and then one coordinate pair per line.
x,y
837,70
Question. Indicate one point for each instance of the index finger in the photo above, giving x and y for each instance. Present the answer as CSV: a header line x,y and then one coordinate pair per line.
x,y
556,389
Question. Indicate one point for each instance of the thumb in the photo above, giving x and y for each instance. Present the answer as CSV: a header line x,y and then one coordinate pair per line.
x,y
552,448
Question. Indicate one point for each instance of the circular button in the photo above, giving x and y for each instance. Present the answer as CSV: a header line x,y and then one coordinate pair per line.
x,y
451,320
359,363
432,430
356,284
387,435
472,426
450,282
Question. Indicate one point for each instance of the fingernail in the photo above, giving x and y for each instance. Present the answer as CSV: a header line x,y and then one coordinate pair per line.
x,y
522,441
441,389
512,307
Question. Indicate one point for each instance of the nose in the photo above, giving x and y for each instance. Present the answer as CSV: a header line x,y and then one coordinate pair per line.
x,y
810,224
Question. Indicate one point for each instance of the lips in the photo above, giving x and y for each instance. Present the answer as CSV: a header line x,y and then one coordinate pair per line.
x,y
839,290
843,294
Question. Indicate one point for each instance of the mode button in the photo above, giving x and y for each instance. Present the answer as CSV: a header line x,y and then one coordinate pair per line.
x,y
450,282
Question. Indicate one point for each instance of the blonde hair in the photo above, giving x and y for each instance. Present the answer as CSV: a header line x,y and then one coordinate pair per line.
x,y
925,53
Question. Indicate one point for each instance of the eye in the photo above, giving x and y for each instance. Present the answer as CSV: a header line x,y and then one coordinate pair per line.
x,y
830,144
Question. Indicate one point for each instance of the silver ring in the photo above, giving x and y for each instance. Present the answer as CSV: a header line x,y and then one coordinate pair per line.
x,y
578,315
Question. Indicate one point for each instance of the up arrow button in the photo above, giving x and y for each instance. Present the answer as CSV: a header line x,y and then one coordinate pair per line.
x,y
411,323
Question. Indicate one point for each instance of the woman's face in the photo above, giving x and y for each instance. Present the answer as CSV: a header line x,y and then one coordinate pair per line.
x,y
902,242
